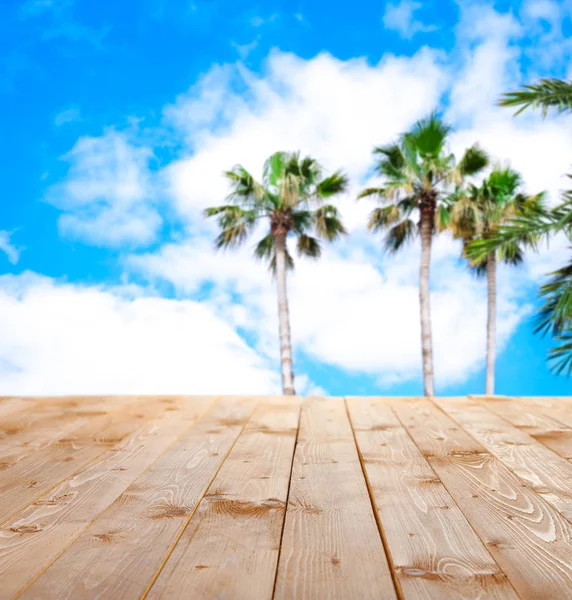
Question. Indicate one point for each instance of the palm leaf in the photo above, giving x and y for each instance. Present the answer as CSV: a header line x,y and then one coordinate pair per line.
x,y
308,246
560,357
332,185
546,94
428,135
265,248
382,218
473,161
371,192
328,223
232,237
555,316
303,220
399,235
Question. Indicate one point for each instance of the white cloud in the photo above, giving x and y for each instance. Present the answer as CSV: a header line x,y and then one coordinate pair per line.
x,y
107,196
12,252
544,10
66,339
346,312
68,115
334,110
260,21
400,17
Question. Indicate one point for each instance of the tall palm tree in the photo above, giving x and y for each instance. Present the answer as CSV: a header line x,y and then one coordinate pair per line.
x,y
555,316
477,213
419,173
291,198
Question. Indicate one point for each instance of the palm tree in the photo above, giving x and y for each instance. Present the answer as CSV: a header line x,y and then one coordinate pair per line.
x,y
555,316
419,174
477,213
291,199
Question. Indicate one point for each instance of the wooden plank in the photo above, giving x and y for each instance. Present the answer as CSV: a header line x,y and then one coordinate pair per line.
x,y
10,406
121,552
529,539
547,473
36,428
230,548
531,420
32,541
331,546
559,409
34,475
434,552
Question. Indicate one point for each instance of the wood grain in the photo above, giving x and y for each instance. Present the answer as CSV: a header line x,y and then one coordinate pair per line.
x,y
548,474
35,474
435,553
119,555
9,406
559,409
33,540
43,423
530,419
529,539
331,545
230,548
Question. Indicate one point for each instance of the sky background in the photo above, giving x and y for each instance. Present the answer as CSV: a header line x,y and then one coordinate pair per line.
x,y
117,120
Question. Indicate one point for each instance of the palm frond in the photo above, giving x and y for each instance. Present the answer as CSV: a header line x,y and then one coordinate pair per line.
x,y
274,167
265,248
235,224
555,316
232,237
372,191
442,217
308,246
390,161
546,94
335,184
382,218
474,160
511,254
328,223
399,235
560,357
303,220
429,135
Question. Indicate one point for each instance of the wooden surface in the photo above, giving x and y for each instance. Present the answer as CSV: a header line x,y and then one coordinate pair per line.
x,y
273,497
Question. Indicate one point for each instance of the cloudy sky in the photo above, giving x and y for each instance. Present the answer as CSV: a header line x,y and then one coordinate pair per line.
x,y
118,119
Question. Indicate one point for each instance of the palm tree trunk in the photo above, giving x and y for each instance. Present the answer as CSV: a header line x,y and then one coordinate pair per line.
x,y
424,301
491,322
284,318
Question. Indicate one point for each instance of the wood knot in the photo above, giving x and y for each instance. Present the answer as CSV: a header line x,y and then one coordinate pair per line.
x,y
170,512
105,538
46,502
5,465
416,572
335,560
29,528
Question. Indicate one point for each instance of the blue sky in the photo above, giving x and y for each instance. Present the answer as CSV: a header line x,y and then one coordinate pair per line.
x,y
118,119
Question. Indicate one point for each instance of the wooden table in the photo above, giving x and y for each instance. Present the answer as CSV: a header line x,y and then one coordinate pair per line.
x,y
274,497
